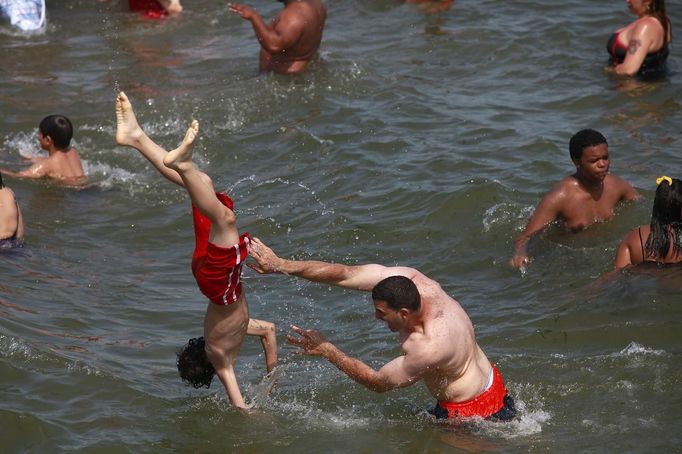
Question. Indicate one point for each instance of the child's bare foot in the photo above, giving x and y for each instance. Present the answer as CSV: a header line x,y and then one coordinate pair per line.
x,y
180,159
128,131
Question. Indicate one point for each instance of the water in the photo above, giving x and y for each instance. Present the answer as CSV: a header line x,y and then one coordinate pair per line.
x,y
417,140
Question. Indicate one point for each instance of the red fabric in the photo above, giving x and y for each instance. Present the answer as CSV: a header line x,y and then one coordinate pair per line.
x,y
149,8
484,405
216,269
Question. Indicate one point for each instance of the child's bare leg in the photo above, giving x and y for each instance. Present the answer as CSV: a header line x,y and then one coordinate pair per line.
x,y
223,220
267,333
130,134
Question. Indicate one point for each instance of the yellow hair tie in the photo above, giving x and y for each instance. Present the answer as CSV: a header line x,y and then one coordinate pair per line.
x,y
664,178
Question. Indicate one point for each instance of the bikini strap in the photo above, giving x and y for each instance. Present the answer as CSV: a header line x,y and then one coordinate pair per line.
x,y
641,243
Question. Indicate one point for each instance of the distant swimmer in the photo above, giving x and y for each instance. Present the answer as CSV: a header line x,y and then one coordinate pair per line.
x,y
217,262
579,200
63,162
156,9
641,47
436,336
432,6
661,240
292,38
11,220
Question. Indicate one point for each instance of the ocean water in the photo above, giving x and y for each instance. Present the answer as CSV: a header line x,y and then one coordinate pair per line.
x,y
415,139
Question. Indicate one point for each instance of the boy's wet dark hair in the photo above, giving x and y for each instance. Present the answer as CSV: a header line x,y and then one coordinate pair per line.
x,y
58,128
2,185
193,364
583,139
666,220
398,292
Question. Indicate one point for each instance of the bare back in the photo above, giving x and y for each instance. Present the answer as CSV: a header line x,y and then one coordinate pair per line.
x,y
306,19
64,165
458,369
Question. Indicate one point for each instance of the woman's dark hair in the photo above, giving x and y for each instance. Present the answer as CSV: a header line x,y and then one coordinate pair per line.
x,y
2,185
193,364
398,292
583,139
657,9
58,128
666,220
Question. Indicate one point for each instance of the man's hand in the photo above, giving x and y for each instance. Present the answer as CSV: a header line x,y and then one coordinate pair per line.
x,y
267,261
312,342
246,12
519,261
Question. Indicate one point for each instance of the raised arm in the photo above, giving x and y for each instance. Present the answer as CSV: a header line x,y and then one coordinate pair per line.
x,y
547,211
274,39
401,372
361,277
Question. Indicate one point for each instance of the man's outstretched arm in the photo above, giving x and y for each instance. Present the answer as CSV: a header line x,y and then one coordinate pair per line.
x,y
361,277
393,375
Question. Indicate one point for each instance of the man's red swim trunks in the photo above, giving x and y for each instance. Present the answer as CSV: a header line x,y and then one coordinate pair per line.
x,y
494,403
218,269
150,8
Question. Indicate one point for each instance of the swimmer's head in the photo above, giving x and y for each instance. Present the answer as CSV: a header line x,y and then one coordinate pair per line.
x,y
193,364
583,139
58,128
399,292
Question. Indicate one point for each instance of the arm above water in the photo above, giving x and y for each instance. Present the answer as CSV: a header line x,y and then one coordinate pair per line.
x,y
278,38
401,372
547,211
360,277
267,333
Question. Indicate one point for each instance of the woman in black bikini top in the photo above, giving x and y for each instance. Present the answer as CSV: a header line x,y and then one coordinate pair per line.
x,y
642,46
661,240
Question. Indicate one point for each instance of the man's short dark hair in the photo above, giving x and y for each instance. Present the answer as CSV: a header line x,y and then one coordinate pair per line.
x,y
58,128
398,292
583,139
193,364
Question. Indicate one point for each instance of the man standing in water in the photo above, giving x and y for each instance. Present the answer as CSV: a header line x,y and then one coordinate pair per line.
x,y
216,264
292,38
579,200
436,336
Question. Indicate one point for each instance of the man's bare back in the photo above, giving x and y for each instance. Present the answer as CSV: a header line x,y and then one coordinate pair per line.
x,y
457,368
292,38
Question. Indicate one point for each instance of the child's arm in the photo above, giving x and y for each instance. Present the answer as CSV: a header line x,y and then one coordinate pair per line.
x,y
267,332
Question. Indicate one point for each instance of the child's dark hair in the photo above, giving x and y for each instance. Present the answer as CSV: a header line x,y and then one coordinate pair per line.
x,y
666,219
58,128
583,139
193,364
2,185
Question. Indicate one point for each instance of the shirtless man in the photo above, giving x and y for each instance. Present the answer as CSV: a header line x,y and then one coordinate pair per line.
x,y
579,200
216,264
292,38
436,336
11,221
62,163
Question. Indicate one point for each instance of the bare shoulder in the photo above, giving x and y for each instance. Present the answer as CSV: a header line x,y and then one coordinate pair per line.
x,y
621,186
